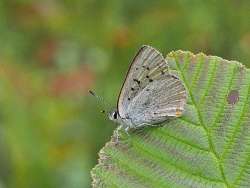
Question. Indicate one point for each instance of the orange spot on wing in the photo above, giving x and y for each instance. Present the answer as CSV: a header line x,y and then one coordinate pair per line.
x,y
178,112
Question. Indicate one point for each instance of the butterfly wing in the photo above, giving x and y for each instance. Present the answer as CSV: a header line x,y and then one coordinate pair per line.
x,y
148,65
159,100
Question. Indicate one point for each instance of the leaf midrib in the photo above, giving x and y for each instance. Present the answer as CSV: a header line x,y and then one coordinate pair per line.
x,y
211,147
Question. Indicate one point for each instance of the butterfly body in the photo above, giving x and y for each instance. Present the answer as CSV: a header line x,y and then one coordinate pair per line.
x,y
150,94
125,123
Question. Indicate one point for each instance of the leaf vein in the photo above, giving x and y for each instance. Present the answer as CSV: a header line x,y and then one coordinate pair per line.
x,y
174,166
183,141
209,84
222,105
229,143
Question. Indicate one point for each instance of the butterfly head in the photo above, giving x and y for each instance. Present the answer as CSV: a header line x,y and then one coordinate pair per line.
x,y
114,116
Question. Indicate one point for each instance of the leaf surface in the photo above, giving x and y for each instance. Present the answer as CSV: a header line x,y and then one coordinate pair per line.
x,y
208,146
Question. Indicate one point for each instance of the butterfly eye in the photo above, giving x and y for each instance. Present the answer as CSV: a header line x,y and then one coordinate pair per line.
x,y
115,115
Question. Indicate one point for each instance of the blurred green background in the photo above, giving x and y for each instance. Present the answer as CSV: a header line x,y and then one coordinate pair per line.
x,y
52,52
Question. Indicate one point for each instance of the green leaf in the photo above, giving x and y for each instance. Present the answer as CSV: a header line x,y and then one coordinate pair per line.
x,y
209,146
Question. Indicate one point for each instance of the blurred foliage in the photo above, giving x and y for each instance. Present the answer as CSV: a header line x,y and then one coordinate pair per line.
x,y
52,52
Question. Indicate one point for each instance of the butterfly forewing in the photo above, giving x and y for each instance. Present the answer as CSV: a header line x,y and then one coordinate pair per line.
x,y
147,66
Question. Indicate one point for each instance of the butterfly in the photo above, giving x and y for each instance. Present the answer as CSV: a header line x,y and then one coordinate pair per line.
x,y
149,95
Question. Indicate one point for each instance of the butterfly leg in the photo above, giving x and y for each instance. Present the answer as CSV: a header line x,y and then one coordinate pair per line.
x,y
140,128
128,127
143,125
126,130
117,134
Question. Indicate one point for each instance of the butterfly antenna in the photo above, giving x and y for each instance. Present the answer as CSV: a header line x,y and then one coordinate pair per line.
x,y
101,100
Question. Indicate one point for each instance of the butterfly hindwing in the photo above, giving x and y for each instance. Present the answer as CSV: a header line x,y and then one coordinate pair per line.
x,y
158,101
